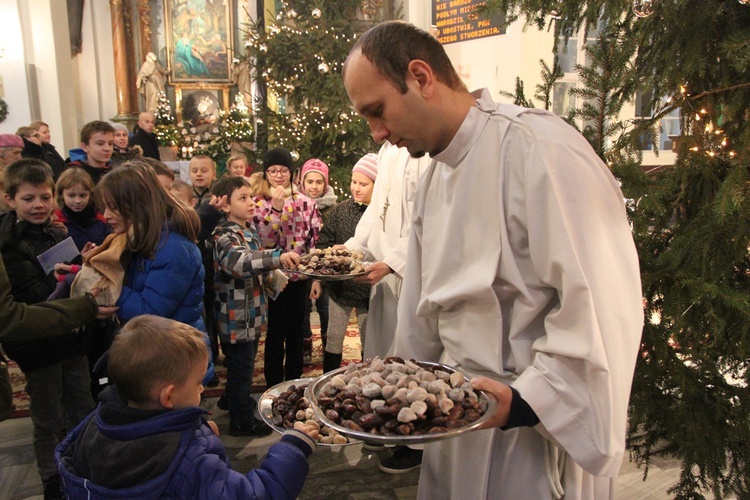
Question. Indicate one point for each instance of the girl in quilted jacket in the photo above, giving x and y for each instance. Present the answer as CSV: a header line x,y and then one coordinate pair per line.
x,y
289,220
163,268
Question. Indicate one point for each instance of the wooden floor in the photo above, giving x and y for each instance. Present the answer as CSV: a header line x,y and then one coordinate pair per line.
x,y
346,472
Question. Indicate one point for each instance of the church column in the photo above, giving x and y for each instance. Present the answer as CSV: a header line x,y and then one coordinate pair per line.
x,y
122,41
144,28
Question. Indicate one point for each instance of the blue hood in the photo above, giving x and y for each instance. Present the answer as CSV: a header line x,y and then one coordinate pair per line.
x,y
77,154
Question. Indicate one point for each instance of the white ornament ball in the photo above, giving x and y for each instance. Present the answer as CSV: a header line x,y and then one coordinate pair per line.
x,y
291,13
263,48
323,67
295,155
744,2
316,13
643,8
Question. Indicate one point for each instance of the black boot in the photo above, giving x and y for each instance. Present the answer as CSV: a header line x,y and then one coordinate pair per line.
x,y
331,361
324,339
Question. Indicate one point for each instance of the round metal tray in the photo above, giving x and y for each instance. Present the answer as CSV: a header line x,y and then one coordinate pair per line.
x,y
265,404
331,277
313,389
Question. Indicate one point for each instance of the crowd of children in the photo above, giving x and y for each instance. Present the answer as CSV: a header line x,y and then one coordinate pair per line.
x,y
197,270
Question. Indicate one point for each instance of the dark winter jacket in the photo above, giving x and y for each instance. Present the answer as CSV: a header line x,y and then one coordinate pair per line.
x,y
19,321
339,227
54,160
122,452
87,225
121,155
32,150
148,142
47,153
20,244
78,159
241,305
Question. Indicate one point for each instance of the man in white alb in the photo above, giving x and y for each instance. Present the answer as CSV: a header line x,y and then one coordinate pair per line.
x,y
382,235
521,270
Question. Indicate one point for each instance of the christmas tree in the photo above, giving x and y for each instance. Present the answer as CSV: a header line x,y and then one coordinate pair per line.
x,y
691,222
299,59
164,124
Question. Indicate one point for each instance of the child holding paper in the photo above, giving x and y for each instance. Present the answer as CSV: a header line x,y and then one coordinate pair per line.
x,y
56,369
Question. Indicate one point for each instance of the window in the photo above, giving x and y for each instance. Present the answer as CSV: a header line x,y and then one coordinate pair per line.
x,y
669,127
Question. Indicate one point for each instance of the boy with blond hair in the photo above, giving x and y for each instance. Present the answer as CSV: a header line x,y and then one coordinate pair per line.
x,y
149,438
202,175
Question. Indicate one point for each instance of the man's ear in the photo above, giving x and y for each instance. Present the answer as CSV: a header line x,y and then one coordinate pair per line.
x,y
165,396
422,72
226,208
10,201
85,147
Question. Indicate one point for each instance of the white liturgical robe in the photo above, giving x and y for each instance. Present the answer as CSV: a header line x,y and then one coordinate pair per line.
x,y
521,267
382,234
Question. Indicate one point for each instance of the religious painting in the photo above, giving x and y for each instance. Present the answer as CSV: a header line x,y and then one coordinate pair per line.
x,y
200,107
199,40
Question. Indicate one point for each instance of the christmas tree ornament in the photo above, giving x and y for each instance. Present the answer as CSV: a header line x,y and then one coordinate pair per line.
x,y
291,13
263,48
316,13
323,67
744,2
643,8
295,155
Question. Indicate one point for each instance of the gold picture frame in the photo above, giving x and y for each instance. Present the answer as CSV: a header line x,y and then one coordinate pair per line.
x,y
199,105
199,40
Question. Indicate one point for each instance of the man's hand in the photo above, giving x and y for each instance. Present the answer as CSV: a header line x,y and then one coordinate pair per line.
x,y
104,311
315,290
375,272
502,394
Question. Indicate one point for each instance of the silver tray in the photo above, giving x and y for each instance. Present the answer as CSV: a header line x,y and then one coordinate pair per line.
x,y
331,277
314,388
266,401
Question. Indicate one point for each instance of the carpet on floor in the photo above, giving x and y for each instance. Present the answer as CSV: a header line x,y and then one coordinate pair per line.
x,y
351,353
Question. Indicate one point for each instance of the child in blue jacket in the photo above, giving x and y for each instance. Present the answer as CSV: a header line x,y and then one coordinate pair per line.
x,y
148,438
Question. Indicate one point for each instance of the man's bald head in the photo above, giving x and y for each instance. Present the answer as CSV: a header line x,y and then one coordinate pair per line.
x,y
146,121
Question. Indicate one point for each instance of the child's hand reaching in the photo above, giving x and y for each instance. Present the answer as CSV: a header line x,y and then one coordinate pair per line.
x,y
213,426
308,429
289,260
218,202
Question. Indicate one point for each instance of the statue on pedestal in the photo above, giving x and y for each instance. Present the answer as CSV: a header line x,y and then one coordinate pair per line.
x,y
150,81
241,77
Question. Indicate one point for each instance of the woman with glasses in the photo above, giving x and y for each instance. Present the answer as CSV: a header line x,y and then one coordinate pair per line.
x,y
289,220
